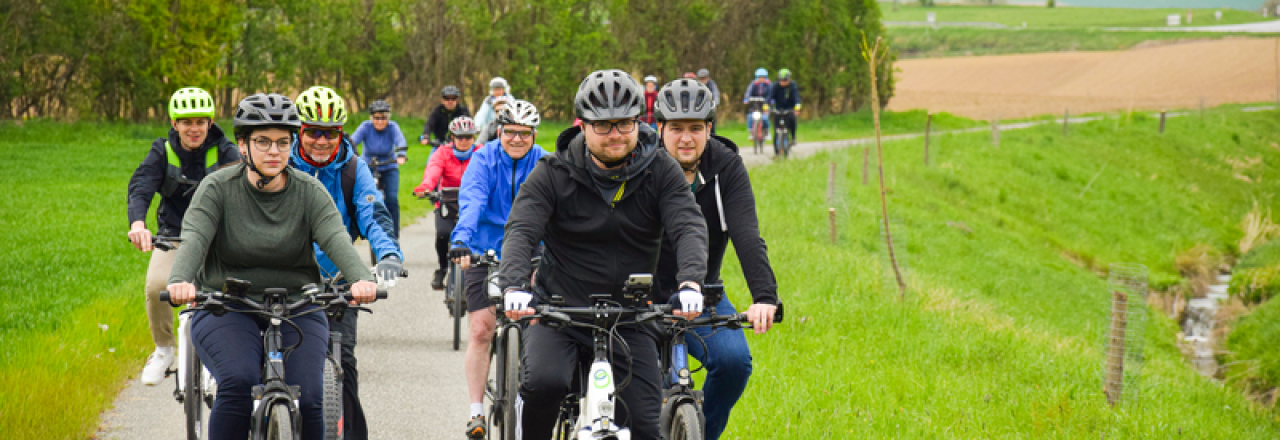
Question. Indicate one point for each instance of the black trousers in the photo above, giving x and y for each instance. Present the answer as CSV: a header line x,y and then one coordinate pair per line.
x,y
444,228
791,127
353,422
554,358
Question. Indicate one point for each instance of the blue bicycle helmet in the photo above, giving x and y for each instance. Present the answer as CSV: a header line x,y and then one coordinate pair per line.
x,y
761,72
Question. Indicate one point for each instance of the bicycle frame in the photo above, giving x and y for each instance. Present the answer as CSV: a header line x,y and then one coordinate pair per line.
x,y
273,388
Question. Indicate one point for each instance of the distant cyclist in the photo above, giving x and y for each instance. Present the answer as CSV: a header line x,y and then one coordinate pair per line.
x,y
384,142
489,131
322,151
444,170
436,131
498,87
759,88
175,164
258,222
650,94
704,76
489,188
722,188
601,204
785,96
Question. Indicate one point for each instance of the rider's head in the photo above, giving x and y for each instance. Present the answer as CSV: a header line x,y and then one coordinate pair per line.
x,y
608,102
650,83
322,112
518,127
684,109
784,76
449,97
762,74
498,86
380,114
190,114
500,102
704,75
463,131
264,126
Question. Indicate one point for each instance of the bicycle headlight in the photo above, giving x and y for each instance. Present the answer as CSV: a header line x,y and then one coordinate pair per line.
x,y
606,408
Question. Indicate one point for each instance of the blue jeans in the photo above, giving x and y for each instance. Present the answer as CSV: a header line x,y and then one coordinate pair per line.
x,y
231,347
728,362
751,124
390,187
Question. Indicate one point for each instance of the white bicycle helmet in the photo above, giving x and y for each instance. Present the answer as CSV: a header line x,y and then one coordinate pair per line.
x,y
497,82
651,78
519,112
463,126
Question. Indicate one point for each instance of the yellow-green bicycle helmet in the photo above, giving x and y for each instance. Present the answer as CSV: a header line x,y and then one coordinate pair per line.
x,y
191,102
322,107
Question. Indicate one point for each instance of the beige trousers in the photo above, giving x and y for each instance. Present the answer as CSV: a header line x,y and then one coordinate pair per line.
x,y
160,313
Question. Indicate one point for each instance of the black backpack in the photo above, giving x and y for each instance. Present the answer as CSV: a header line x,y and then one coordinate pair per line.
x,y
380,212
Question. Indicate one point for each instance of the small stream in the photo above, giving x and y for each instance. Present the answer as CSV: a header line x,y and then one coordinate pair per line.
x,y
1198,325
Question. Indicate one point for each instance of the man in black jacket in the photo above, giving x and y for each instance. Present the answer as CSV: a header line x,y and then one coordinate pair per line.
x,y
785,96
195,147
600,205
436,132
720,183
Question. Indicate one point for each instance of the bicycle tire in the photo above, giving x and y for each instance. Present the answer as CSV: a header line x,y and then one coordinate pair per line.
x,y
511,382
332,399
193,397
685,423
458,310
784,143
279,424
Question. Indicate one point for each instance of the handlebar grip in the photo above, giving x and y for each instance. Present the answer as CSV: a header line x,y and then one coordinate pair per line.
x,y
382,294
164,296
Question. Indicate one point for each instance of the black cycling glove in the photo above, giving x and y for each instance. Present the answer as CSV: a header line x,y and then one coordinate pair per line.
x,y
459,251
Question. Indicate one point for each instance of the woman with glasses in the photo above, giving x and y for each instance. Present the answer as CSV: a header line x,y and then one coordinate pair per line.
x,y
257,222
444,170
384,143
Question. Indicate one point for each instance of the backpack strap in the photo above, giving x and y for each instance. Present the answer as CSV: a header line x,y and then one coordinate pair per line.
x,y
348,193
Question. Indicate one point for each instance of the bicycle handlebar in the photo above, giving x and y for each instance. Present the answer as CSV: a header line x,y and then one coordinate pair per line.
x,y
322,298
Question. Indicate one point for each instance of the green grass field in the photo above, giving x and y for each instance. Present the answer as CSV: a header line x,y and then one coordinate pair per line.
x,y
1002,332
1064,17
1047,30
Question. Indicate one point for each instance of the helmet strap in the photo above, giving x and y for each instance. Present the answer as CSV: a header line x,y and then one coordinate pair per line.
x,y
263,179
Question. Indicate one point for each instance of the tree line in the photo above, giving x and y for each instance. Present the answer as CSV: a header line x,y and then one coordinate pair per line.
x,y
121,59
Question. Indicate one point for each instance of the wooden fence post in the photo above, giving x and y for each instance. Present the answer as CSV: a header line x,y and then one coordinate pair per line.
x,y
995,132
1066,116
831,185
1162,114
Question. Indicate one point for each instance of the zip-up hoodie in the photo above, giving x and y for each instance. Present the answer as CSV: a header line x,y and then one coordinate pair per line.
x,y
366,196
729,207
444,170
600,226
149,177
488,190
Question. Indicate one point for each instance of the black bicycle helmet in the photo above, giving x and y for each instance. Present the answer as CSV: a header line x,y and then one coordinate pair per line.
x,y
684,99
262,109
379,106
607,95
450,91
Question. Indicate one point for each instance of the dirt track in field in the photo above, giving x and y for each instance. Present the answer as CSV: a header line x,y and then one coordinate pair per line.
x,y
1015,86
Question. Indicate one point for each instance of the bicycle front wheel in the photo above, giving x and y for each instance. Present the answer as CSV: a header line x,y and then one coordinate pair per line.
x,y
279,424
685,424
332,398
455,290
193,396
511,382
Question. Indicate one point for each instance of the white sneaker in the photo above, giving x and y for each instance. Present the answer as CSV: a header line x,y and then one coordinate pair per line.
x,y
157,364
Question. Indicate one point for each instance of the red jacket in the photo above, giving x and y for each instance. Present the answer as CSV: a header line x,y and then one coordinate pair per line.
x,y
649,99
444,170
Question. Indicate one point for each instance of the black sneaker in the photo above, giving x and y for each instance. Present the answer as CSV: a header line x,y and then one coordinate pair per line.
x,y
438,282
476,427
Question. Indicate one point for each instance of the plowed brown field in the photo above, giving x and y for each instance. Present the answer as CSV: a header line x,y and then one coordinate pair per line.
x,y
1151,78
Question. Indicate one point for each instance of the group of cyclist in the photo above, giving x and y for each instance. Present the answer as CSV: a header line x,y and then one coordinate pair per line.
x,y
641,185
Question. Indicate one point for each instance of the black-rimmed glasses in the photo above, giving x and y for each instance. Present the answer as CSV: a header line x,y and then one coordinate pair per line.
x,y
507,132
604,127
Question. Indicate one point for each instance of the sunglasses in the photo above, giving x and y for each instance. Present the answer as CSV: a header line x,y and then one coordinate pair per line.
x,y
464,137
326,133
450,98
380,118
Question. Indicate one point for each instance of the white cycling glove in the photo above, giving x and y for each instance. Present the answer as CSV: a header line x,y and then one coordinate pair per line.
x,y
690,301
516,300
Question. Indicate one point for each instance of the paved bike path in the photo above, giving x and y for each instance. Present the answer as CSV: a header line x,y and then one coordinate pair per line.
x,y
411,381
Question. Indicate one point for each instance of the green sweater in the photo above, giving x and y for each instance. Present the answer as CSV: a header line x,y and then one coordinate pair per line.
x,y
232,229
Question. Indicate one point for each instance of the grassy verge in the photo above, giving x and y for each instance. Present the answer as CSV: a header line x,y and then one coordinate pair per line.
x,y
1002,334
853,125
930,43
1037,17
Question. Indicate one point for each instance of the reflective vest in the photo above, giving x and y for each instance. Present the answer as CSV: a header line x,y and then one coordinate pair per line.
x,y
173,176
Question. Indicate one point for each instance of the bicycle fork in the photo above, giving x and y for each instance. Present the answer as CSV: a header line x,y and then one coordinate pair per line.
x,y
596,414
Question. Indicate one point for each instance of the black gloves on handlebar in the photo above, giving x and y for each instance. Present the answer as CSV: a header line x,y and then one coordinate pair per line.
x,y
459,251
389,268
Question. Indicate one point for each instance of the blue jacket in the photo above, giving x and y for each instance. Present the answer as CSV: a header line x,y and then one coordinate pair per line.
x,y
380,144
367,195
488,190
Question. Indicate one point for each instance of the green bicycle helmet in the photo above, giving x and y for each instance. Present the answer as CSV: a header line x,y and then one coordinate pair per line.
x,y
191,102
321,107
784,74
